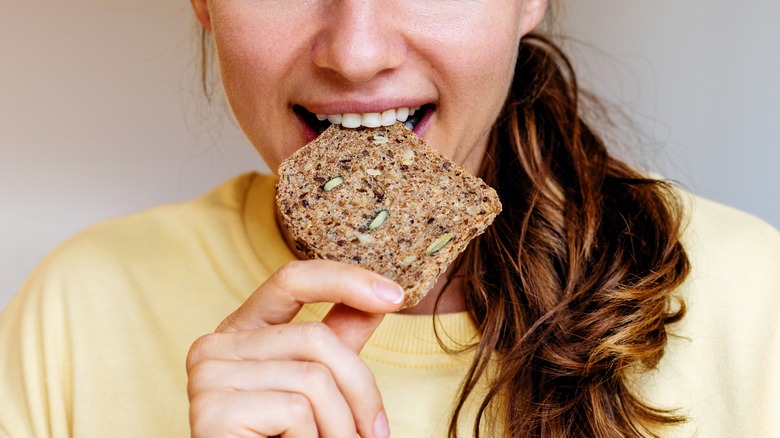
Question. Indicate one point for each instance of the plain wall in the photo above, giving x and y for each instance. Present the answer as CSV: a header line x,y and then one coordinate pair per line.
x,y
700,77
101,112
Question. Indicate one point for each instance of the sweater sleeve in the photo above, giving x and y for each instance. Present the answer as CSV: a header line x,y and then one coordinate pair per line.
x,y
35,361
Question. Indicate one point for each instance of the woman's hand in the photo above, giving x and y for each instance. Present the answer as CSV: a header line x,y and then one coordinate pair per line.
x,y
258,375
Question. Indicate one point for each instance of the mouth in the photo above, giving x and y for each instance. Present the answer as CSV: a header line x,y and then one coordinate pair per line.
x,y
413,118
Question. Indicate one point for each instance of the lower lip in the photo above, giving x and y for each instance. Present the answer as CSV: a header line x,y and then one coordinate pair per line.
x,y
422,125
308,133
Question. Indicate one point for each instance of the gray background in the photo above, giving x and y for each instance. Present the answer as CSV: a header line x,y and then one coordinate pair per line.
x,y
100,111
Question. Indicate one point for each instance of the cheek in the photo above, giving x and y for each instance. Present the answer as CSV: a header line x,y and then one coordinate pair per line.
x,y
257,58
482,66
256,48
486,76
240,66
492,56
478,55
477,64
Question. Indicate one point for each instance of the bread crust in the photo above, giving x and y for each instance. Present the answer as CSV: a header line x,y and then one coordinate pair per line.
x,y
382,199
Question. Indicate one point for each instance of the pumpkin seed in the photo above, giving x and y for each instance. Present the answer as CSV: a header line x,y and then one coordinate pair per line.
x,y
439,243
378,220
333,183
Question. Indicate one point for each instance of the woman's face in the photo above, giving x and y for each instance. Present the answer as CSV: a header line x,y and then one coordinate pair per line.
x,y
283,62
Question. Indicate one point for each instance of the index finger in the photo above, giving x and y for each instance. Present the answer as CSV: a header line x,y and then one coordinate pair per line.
x,y
279,299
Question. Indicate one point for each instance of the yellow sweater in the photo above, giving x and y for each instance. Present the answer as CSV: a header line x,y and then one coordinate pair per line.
x,y
94,344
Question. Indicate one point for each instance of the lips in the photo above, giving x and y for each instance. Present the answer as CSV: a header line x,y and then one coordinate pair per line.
x,y
317,123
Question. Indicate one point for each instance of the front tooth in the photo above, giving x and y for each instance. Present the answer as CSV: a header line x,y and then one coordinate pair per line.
x,y
321,117
402,114
412,111
350,120
371,120
388,117
334,118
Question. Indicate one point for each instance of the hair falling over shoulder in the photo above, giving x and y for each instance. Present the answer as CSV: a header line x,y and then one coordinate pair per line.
x,y
572,287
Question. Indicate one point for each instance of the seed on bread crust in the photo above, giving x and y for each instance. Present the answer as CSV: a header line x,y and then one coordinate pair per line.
x,y
439,243
333,183
378,220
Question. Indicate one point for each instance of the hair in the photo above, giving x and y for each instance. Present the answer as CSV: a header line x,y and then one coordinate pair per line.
x,y
206,63
573,285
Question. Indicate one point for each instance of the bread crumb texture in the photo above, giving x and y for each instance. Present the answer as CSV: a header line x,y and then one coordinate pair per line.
x,y
382,199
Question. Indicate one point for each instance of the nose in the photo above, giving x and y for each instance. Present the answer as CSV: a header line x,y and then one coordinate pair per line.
x,y
360,40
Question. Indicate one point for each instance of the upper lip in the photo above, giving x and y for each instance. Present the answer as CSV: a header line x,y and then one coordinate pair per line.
x,y
356,107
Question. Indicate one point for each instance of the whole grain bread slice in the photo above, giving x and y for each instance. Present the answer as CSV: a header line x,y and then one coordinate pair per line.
x,y
382,199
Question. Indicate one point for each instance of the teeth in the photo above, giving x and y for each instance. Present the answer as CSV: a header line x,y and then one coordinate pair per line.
x,y
370,120
388,117
350,120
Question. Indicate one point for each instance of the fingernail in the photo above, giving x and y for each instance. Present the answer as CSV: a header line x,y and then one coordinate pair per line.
x,y
389,292
381,427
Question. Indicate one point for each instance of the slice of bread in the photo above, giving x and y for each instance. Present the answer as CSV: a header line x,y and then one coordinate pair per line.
x,y
382,199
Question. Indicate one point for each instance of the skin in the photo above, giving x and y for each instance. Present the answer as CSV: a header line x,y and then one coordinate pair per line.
x,y
257,375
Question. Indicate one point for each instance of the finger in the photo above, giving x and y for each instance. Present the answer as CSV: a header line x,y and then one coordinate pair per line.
x,y
251,414
311,341
354,327
312,380
296,283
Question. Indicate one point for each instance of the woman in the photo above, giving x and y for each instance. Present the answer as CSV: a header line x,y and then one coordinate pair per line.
x,y
600,303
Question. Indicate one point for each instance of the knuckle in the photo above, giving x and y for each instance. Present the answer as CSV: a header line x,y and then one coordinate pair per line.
x,y
229,324
199,350
298,408
317,335
199,374
289,272
316,376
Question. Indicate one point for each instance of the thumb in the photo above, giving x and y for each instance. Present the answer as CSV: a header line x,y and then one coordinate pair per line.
x,y
354,327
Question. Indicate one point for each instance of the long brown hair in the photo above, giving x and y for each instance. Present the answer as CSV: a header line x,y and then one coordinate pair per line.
x,y
572,287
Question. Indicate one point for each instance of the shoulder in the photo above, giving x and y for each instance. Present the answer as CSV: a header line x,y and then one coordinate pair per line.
x,y
733,290
221,204
735,267
730,225
720,362
169,257
155,229
148,247
727,244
